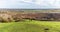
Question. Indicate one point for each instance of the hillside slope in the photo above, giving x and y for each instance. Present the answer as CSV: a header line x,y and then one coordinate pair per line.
x,y
30,26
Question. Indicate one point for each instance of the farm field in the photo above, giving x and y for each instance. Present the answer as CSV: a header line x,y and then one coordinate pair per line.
x,y
30,26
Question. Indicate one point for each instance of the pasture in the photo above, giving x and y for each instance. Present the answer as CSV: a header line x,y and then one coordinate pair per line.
x,y
30,26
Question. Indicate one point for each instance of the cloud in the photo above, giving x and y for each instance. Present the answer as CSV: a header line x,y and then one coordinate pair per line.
x,y
17,4
30,4
29,1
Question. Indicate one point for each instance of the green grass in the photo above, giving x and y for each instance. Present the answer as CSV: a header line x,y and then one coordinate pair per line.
x,y
30,26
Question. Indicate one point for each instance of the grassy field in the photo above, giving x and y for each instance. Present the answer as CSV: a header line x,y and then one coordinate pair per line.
x,y
30,26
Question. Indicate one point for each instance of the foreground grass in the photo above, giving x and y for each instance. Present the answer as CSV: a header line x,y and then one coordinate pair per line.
x,y
30,26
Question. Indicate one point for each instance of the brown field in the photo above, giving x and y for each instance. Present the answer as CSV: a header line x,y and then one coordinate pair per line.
x,y
18,15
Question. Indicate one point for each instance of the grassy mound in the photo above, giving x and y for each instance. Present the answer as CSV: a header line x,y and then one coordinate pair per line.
x,y
30,26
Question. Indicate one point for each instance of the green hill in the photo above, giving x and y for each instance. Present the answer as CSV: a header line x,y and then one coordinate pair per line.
x,y
30,26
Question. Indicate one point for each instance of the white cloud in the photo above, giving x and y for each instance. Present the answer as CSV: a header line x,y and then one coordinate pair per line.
x,y
50,1
57,3
46,2
29,1
43,3
38,1
2,3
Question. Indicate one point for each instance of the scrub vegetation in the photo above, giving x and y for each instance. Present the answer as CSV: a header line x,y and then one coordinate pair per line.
x,y
29,21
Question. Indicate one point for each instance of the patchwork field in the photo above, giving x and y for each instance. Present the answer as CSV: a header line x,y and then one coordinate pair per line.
x,y
30,26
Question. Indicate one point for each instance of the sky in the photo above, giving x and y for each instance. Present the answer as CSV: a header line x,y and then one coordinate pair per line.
x,y
30,4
